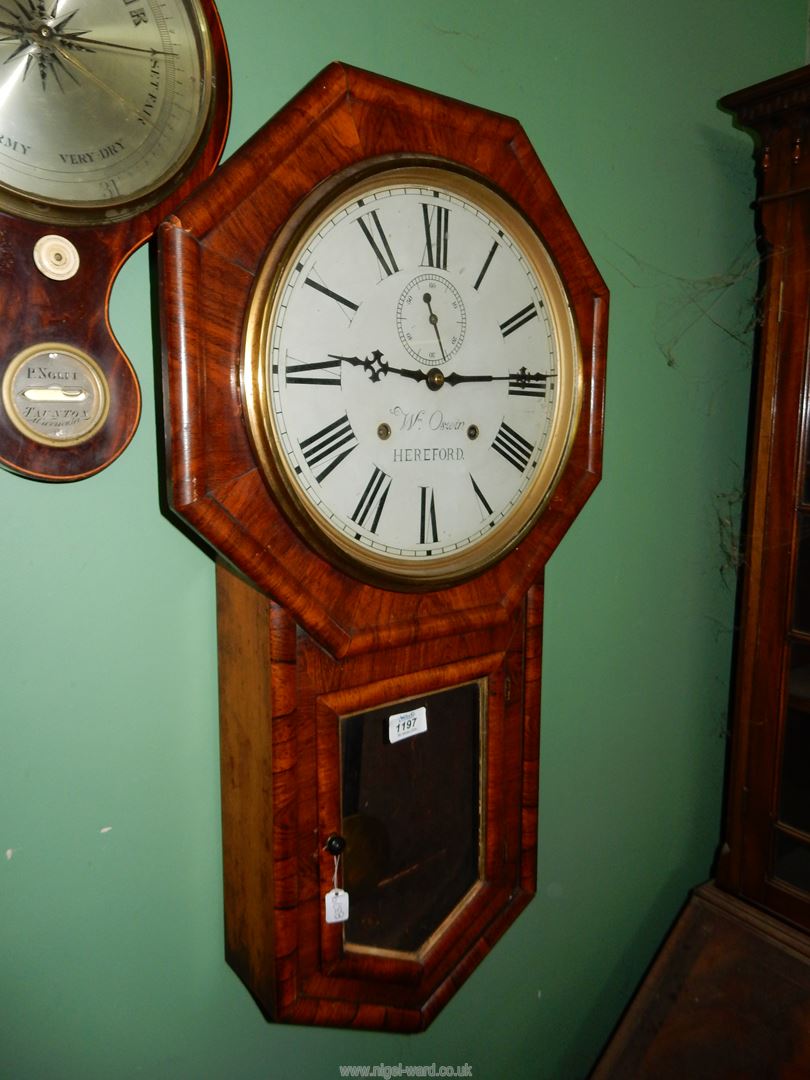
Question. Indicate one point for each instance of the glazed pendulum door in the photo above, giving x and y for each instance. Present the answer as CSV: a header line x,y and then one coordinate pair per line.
x,y
407,871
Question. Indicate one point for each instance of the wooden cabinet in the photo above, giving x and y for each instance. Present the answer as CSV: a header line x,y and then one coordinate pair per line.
x,y
766,856
728,998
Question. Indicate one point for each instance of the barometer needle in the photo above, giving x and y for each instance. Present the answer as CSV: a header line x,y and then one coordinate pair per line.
x,y
99,82
27,36
115,45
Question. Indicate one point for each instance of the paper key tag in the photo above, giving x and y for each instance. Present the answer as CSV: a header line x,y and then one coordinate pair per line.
x,y
337,906
405,724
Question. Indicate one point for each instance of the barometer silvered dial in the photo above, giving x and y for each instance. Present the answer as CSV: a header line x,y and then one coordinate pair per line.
x,y
103,104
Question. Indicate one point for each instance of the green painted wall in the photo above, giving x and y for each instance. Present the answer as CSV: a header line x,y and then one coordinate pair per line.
x,y
110,884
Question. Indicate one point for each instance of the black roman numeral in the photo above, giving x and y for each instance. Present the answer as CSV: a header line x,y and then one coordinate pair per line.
x,y
372,500
319,373
485,267
379,242
428,533
321,288
480,496
436,220
520,318
524,384
512,446
329,446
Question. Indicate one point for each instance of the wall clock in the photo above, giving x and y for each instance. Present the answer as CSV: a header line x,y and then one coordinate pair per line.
x,y
110,113
384,356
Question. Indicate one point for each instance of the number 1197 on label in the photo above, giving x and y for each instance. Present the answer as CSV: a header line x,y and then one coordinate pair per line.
x,y
403,725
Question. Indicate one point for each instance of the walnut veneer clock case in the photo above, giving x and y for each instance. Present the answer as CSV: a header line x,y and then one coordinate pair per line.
x,y
110,114
384,356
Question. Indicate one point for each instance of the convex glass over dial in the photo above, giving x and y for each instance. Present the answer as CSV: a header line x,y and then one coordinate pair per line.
x,y
412,375
102,104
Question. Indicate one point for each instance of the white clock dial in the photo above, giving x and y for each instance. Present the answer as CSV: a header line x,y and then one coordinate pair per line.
x,y
102,102
412,376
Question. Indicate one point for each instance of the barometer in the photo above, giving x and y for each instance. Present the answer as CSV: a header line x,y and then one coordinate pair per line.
x,y
110,112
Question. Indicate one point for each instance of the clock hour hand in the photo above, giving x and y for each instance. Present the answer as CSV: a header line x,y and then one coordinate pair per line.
x,y
375,367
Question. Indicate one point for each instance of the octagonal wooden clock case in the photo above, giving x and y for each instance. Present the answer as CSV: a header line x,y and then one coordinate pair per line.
x,y
384,357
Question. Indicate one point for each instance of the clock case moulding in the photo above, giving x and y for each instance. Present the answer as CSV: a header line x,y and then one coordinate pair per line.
x,y
75,312
301,641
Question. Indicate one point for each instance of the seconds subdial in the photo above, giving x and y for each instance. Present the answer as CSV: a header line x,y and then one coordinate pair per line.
x,y
431,320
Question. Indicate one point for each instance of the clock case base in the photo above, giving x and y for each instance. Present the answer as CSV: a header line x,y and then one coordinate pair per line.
x,y
281,698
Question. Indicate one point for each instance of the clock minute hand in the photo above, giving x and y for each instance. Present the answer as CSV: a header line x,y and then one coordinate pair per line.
x,y
522,380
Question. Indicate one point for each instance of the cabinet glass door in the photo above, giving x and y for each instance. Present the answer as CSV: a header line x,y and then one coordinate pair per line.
x,y
790,860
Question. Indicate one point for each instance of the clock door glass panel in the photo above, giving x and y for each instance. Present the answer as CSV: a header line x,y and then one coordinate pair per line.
x,y
794,804
794,794
792,860
411,780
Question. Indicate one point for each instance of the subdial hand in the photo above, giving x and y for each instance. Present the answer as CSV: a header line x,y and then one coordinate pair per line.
x,y
434,322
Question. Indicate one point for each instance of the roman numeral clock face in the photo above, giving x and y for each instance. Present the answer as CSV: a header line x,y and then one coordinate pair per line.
x,y
411,377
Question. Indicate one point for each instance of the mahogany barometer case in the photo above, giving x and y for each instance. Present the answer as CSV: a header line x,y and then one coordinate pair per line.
x,y
384,355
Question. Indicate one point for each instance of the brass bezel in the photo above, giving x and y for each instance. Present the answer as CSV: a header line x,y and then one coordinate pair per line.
x,y
377,568
101,212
